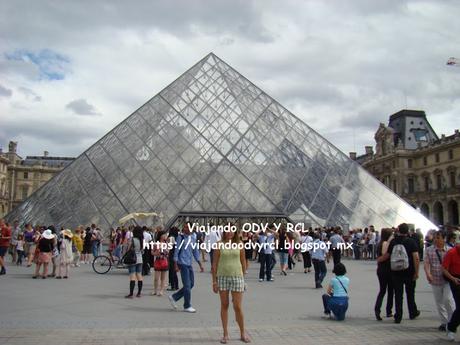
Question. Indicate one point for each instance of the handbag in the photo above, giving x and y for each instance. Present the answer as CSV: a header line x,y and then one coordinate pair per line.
x,y
130,256
160,264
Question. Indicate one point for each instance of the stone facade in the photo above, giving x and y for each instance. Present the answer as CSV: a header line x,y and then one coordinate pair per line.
x,y
427,177
19,177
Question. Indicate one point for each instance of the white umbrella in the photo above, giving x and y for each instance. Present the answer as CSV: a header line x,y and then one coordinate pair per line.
x,y
139,215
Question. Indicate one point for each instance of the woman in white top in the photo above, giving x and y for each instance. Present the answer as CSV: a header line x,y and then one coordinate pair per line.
x,y
65,255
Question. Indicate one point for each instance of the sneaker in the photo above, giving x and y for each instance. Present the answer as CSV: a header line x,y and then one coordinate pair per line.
x,y
261,280
443,328
271,280
450,336
416,315
190,310
172,301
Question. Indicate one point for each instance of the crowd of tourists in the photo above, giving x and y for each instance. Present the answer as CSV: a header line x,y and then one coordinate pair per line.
x,y
398,253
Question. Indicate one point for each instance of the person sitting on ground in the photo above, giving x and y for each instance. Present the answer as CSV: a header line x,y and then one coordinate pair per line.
x,y
335,301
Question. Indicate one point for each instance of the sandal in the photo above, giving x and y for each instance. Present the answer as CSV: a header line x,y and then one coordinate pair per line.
x,y
224,340
245,339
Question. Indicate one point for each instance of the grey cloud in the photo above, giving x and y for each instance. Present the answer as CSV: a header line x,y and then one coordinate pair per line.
x,y
180,18
5,92
30,94
82,107
67,138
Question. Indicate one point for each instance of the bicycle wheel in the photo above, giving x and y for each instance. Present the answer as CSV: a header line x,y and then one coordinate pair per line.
x,y
102,264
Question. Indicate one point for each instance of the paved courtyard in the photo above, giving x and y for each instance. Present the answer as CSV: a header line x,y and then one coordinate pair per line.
x,y
90,309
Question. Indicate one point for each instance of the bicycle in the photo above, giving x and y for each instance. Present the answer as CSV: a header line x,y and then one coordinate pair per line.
x,y
103,263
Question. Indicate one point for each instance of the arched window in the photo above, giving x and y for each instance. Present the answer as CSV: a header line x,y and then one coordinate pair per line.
x,y
438,213
452,210
425,209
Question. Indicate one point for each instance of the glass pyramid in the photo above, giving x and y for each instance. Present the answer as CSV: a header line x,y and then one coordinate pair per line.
x,y
214,143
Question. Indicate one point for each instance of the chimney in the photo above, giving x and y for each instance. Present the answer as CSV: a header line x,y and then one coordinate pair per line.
x,y
443,136
45,153
12,146
456,133
369,150
353,155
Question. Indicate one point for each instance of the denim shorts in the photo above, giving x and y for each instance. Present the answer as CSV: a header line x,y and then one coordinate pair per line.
x,y
3,251
137,268
283,258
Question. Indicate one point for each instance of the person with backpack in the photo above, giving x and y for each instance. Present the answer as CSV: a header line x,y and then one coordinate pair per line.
x,y
335,301
433,270
404,265
186,249
451,270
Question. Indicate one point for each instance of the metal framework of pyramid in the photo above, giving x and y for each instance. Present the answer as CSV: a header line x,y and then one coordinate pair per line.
x,y
213,142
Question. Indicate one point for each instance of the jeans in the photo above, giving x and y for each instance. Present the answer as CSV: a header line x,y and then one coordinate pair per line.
x,y
386,285
95,248
188,280
320,270
117,251
337,305
336,255
399,282
266,263
306,260
172,274
283,258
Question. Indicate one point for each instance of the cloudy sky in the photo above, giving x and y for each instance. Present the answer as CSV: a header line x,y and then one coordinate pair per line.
x,y
71,70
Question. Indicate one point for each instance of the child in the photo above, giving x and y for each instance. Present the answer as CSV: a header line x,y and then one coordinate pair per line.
x,y
20,248
336,299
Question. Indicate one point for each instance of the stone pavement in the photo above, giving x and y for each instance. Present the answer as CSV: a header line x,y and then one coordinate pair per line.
x,y
90,309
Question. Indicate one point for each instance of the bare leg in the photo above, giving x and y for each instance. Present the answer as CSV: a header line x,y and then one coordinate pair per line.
x,y
224,303
162,282
37,269
237,299
45,269
156,280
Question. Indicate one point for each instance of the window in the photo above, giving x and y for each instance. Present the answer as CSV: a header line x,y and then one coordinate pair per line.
x,y
426,181
25,191
451,154
36,175
394,186
409,163
439,182
420,134
437,157
394,164
425,161
452,179
411,185
26,175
